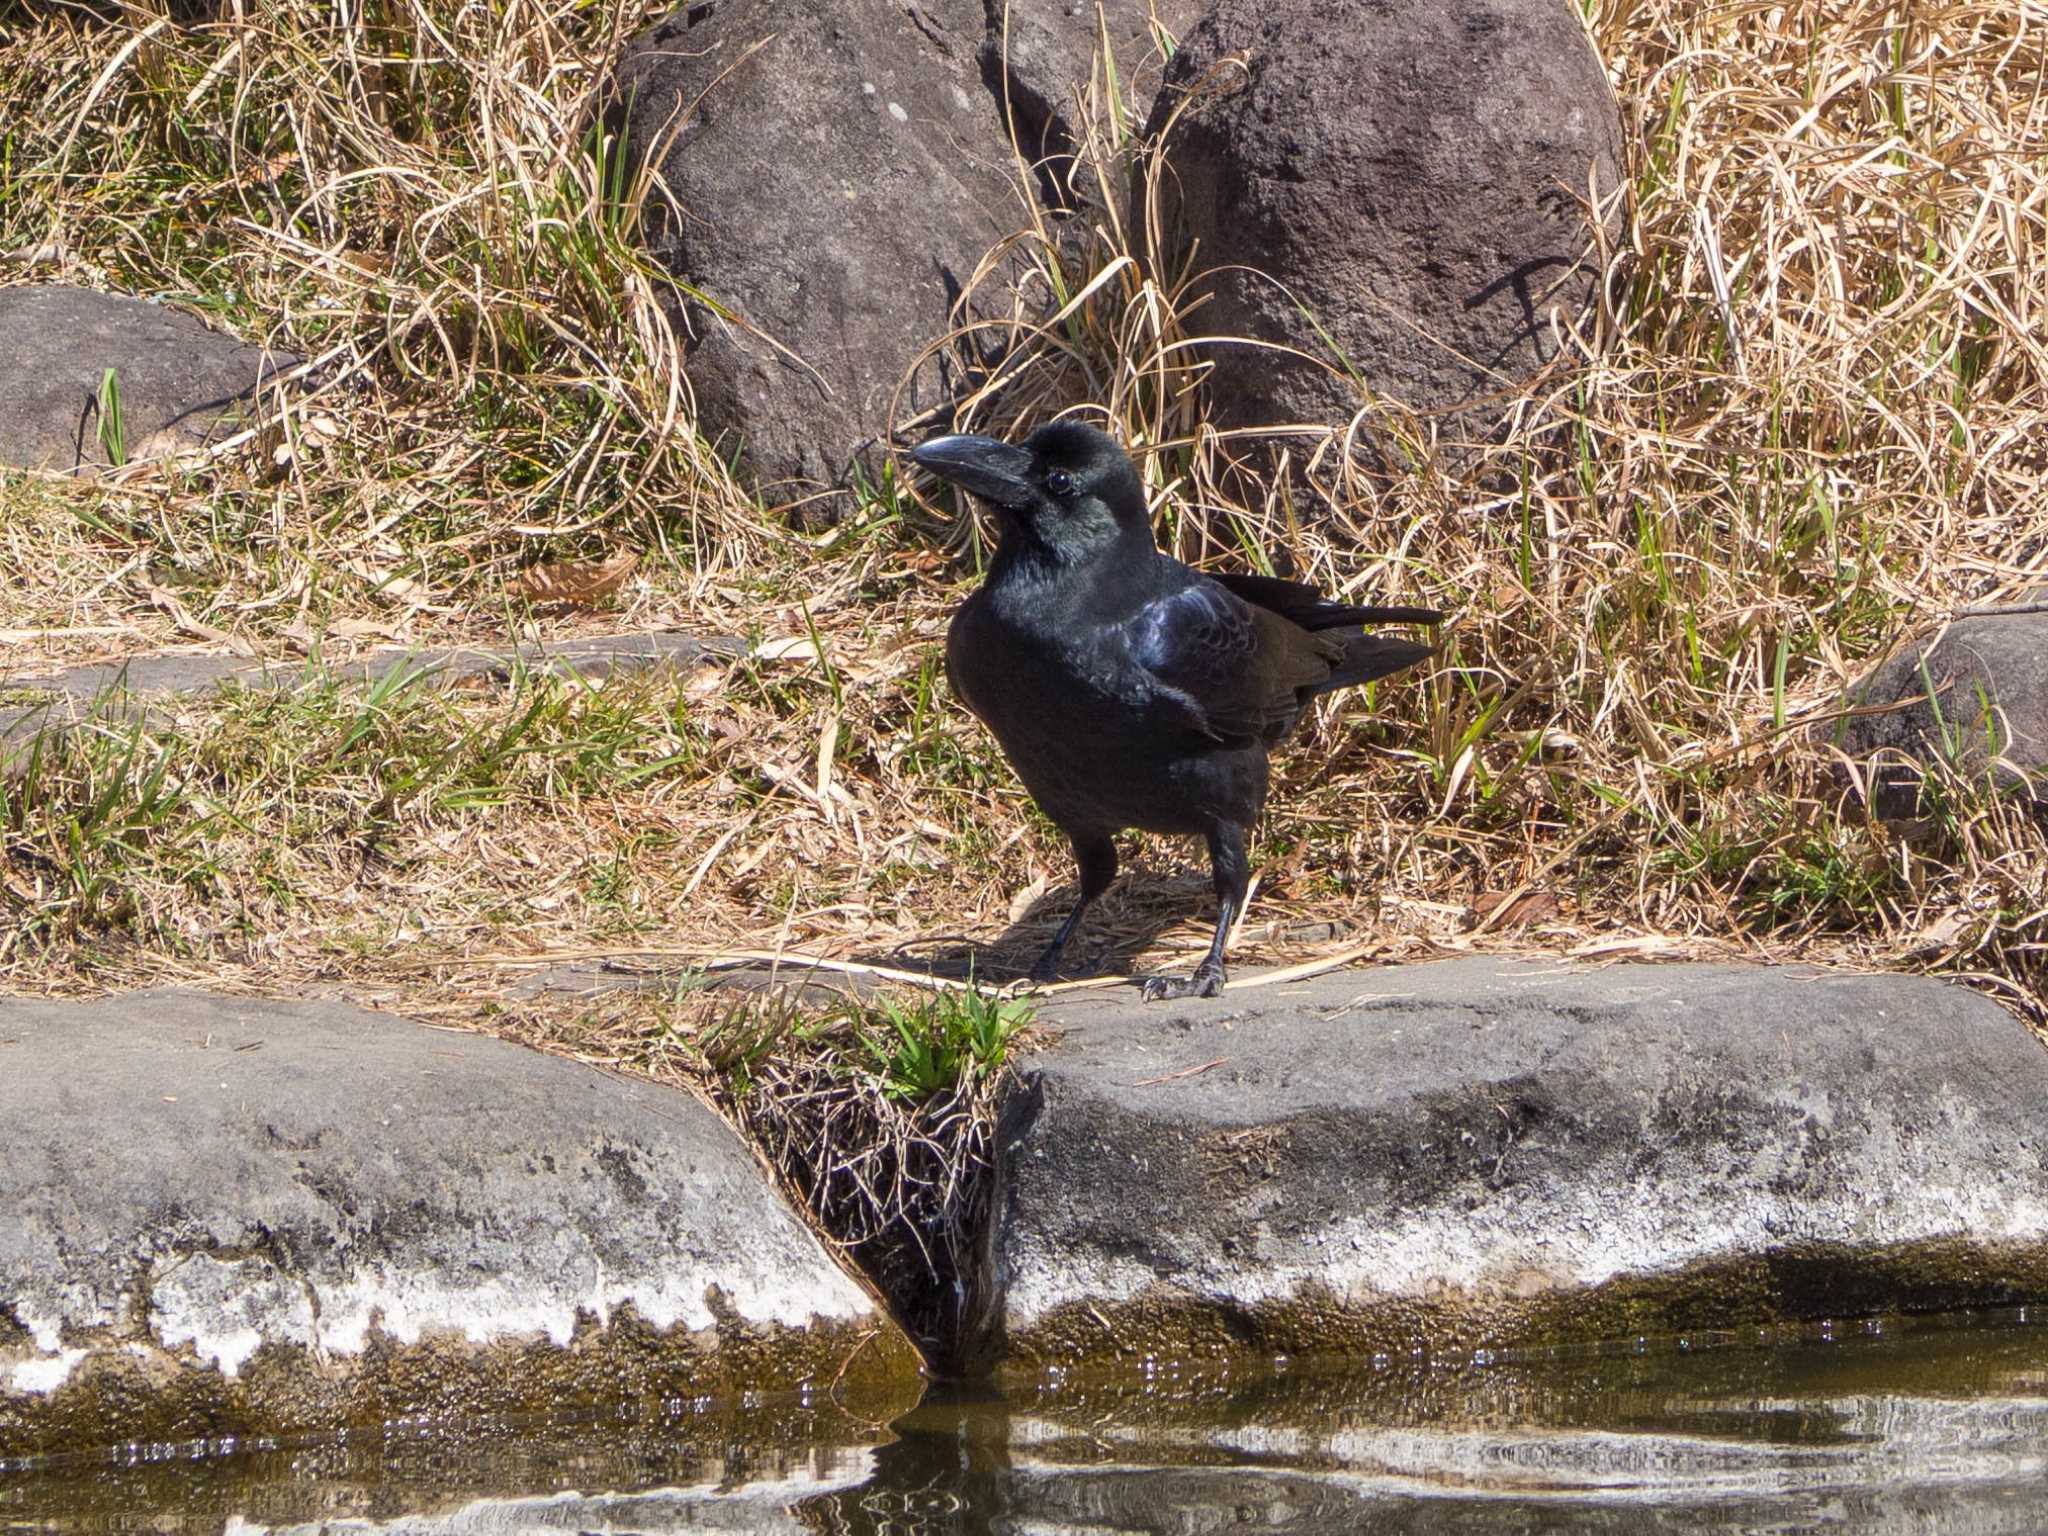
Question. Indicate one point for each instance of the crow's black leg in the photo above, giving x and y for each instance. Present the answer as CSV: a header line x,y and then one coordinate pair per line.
x,y
1233,871
1097,858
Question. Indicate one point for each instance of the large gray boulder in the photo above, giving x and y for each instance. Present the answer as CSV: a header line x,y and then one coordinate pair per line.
x,y
835,173
836,176
226,1216
1486,1152
1409,174
181,385
1989,710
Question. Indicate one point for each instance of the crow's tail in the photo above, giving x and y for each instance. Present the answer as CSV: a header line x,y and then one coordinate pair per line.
x,y
1368,657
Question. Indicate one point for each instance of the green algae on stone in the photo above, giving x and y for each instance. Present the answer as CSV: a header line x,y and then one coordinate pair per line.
x,y
800,1378
1725,1299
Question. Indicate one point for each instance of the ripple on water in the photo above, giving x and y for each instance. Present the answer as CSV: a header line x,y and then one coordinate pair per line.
x,y
1927,1427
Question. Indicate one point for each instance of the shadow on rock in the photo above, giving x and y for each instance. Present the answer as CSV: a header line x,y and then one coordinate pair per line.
x,y
1125,924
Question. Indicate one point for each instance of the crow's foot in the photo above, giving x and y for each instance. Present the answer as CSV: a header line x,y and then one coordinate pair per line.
x,y
1206,982
1045,969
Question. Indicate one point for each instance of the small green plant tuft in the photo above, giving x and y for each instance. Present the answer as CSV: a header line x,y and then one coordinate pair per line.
x,y
881,1114
931,1046
113,424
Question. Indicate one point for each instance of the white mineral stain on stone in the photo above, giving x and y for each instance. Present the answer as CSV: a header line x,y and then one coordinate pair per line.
x,y
477,1225
47,1328
1569,1237
961,99
898,113
53,1362
227,1309
47,1374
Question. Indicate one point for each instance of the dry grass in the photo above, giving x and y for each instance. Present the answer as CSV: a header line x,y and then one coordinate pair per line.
x,y
1810,420
410,197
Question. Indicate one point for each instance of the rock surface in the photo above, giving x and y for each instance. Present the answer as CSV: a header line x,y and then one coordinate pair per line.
x,y
1412,175
1485,1152
1036,56
839,171
836,186
182,385
1990,707
229,1216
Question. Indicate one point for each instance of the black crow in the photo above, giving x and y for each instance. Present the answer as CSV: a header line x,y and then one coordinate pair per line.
x,y
1128,689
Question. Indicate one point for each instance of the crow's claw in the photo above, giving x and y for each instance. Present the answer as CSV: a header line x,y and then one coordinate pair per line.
x,y
1206,982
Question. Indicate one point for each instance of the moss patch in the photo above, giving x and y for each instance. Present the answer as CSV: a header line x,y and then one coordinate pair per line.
x,y
1791,1285
129,1389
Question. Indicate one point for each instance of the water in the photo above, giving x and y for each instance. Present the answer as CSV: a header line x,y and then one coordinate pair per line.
x,y
1931,1427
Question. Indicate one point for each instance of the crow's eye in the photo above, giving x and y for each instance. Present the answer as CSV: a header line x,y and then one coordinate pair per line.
x,y
1059,482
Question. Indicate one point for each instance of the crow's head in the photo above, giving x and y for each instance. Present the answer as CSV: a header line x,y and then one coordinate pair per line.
x,y
1068,487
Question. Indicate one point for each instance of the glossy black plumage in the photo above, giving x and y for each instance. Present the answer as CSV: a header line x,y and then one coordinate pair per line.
x,y
1127,689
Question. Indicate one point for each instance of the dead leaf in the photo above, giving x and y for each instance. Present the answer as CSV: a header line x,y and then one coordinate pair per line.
x,y
828,744
1022,902
49,253
1520,911
388,584
303,638
1638,944
362,629
788,648
1941,934
751,860
703,682
1459,769
574,581
163,598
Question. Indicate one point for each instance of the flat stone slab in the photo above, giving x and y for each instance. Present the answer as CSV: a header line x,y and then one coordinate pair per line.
x,y
1489,1152
228,1216
181,385
29,703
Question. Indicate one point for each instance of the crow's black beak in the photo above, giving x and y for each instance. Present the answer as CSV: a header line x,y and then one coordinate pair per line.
x,y
983,465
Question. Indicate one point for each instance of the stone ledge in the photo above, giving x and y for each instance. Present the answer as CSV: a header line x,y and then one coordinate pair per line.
x,y
1487,1152
62,698
232,1216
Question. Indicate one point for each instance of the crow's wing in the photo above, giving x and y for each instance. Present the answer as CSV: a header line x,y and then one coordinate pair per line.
x,y
1304,605
1239,673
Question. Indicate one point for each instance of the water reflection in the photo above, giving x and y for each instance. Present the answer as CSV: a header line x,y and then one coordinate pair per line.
x,y
1922,1429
